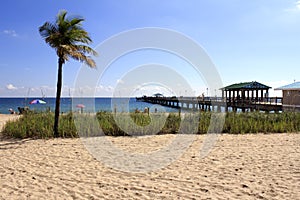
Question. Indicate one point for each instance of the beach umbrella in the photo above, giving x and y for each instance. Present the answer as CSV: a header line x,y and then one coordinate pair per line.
x,y
37,101
81,106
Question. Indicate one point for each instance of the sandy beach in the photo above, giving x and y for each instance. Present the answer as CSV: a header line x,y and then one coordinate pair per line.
x,y
252,166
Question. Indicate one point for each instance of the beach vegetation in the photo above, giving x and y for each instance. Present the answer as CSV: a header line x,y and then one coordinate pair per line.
x,y
39,125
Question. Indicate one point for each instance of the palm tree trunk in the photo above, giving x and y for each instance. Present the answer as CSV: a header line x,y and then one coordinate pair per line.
x,y
58,94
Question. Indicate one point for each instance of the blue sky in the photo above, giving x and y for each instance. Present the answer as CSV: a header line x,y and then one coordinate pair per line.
x,y
246,40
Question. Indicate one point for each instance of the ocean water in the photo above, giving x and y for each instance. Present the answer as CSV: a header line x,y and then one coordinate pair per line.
x,y
90,105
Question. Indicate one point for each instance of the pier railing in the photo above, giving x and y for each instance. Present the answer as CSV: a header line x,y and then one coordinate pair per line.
x,y
267,100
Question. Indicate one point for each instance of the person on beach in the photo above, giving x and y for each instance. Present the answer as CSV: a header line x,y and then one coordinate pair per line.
x,y
11,111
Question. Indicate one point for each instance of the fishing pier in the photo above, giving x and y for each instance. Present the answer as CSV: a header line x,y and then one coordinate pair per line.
x,y
249,96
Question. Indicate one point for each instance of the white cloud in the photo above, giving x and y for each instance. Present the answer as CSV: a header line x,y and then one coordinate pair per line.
x,y
298,5
12,33
120,81
92,91
11,87
294,8
109,88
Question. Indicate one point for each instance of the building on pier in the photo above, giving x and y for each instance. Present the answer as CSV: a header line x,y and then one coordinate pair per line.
x,y
250,96
290,97
251,91
158,95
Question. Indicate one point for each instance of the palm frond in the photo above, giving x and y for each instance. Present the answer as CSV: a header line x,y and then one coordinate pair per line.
x,y
80,36
47,29
77,54
90,62
83,58
76,22
87,50
61,16
68,37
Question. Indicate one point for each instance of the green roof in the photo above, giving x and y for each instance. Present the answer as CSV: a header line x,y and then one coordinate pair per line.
x,y
246,85
158,94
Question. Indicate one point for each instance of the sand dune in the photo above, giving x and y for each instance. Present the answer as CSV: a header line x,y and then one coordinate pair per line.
x,y
253,166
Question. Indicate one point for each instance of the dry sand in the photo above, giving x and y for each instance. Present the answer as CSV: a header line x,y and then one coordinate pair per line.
x,y
253,166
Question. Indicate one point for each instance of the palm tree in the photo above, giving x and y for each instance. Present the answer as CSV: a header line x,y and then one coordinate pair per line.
x,y
69,40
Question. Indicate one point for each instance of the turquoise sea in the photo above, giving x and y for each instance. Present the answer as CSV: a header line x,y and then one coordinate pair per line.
x,y
70,104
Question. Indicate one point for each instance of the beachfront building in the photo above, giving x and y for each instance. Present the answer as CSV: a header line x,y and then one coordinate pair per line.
x,y
290,97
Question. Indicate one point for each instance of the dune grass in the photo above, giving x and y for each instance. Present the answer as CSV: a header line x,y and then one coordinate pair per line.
x,y
261,122
40,125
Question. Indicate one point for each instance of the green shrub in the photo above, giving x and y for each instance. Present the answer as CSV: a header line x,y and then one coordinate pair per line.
x,y
39,125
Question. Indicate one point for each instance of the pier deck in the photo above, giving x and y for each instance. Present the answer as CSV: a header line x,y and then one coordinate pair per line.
x,y
213,103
